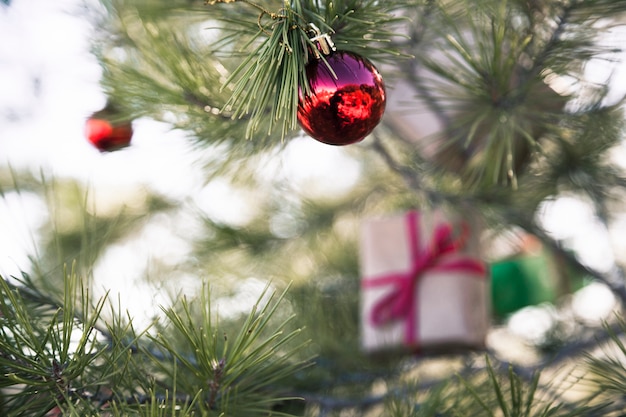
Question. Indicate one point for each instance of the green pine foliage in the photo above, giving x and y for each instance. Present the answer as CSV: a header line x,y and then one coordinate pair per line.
x,y
227,73
66,357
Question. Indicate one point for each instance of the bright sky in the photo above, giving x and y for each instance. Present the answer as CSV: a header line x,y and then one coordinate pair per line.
x,y
49,85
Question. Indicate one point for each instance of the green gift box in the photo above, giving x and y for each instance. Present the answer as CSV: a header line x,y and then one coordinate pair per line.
x,y
531,278
522,281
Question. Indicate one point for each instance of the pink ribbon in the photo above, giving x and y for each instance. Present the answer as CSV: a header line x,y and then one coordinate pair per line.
x,y
400,303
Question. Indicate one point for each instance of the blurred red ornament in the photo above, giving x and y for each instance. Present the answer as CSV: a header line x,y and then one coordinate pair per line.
x,y
345,108
106,135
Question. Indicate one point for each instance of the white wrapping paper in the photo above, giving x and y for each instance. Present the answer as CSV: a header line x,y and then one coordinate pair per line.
x,y
450,303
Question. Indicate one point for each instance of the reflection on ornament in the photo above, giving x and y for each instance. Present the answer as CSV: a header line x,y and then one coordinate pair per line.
x,y
347,99
107,136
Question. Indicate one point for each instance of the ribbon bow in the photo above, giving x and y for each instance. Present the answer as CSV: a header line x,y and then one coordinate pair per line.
x,y
400,303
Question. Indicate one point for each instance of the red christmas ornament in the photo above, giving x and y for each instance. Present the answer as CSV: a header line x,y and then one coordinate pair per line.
x,y
107,136
345,107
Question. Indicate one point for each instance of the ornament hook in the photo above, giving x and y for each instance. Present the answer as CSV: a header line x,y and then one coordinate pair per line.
x,y
322,40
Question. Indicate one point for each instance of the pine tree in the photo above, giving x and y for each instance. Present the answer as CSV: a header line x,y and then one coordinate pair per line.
x,y
491,110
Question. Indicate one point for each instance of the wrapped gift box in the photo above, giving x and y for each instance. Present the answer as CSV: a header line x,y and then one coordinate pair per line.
x,y
423,284
520,282
533,275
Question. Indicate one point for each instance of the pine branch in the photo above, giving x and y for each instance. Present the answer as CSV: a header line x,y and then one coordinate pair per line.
x,y
487,89
250,364
40,359
267,84
115,373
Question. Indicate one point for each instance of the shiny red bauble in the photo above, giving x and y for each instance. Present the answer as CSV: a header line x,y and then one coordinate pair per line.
x,y
107,136
343,107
